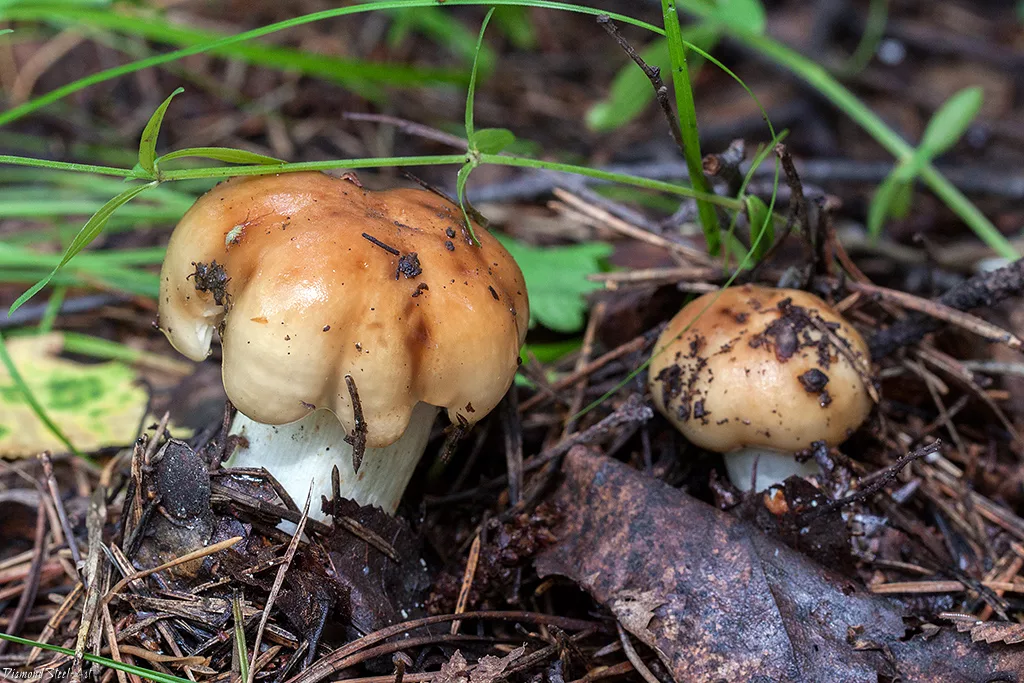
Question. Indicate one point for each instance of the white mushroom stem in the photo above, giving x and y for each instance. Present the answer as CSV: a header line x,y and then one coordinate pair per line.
x,y
773,467
307,450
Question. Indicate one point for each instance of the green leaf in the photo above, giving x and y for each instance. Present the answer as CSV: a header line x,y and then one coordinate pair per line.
x,y
747,16
492,140
895,195
762,230
950,122
147,145
226,154
87,234
879,209
460,189
556,278
902,200
549,352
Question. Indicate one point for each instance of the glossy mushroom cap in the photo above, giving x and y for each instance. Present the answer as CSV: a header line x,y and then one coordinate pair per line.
x,y
751,366
311,278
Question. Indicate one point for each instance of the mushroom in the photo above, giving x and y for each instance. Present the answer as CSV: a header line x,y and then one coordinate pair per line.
x,y
347,318
759,374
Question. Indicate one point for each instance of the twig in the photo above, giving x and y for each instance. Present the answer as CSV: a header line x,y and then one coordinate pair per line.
x,y
342,657
986,289
467,581
618,225
51,485
189,557
653,74
939,311
586,351
30,587
357,439
94,522
878,481
513,445
55,620
656,276
726,165
289,555
634,657
632,346
410,127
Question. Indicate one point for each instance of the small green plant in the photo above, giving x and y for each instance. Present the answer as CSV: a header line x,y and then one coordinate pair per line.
x,y
896,193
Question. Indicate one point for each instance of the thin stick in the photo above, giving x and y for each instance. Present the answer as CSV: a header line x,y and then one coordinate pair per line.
x,y
30,588
340,658
289,555
634,657
51,485
653,74
357,439
934,309
189,557
575,376
467,581
629,230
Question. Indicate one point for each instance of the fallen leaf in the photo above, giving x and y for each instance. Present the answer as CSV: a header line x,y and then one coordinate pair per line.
x,y
96,405
736,604
487,670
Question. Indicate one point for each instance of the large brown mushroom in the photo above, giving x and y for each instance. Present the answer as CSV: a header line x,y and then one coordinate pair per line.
x,y
348,318
759,374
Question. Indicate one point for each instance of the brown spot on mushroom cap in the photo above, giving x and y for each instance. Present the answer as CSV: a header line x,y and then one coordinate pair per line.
x,y
762,384
456,347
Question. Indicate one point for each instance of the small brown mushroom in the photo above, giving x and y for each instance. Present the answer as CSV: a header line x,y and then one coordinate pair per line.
x,y
336,304
757,374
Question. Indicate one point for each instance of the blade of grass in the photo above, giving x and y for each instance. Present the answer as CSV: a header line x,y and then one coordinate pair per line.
x,y
473,159
687,113
214,45
363,77
88,233
147,143
148,674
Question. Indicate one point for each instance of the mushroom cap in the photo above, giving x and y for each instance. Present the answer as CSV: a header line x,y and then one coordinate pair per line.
x,y
311,278
751,366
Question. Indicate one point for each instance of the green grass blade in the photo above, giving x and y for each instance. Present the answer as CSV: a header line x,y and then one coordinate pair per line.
x,y
471,94
149,675
221,43
147,143
363,77
226,154
64,165
687,114
87,234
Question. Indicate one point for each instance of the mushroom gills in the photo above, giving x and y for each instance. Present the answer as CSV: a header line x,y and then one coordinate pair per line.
x,y
773,467
305,452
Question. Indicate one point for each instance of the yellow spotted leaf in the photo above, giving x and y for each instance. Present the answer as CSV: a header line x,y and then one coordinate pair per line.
x,y
96,405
